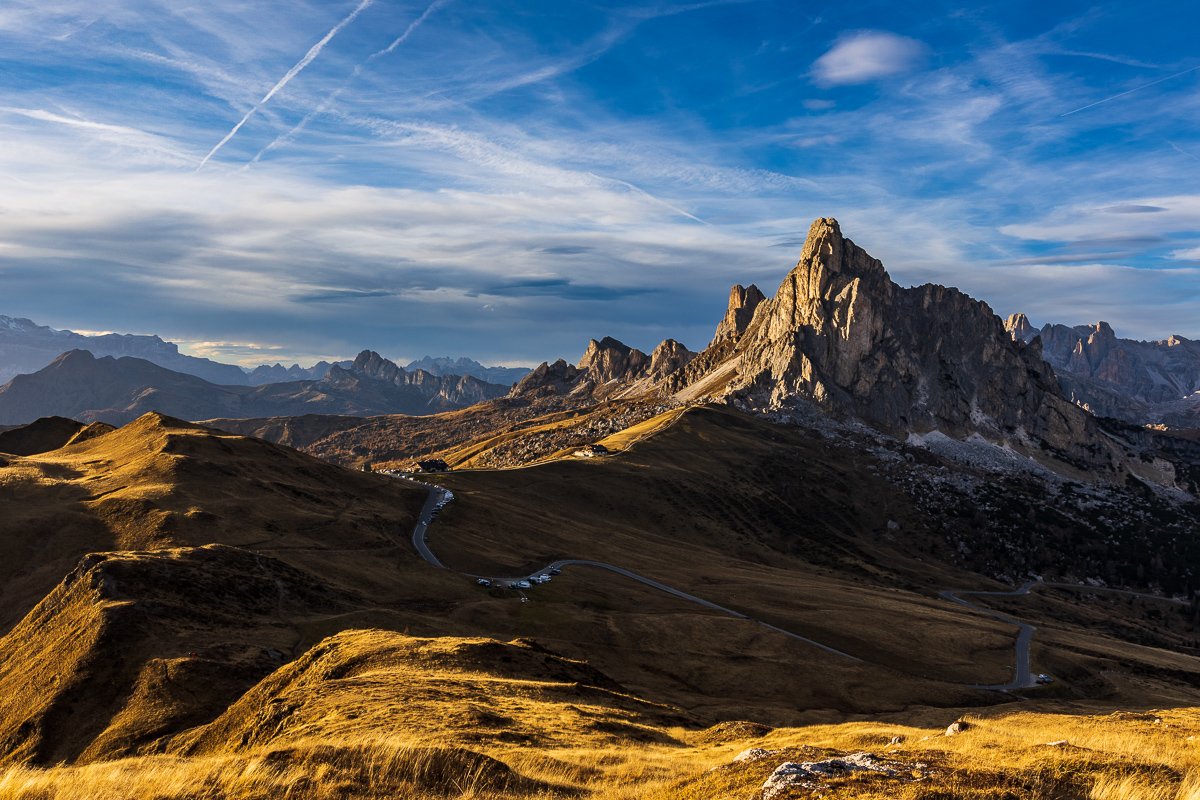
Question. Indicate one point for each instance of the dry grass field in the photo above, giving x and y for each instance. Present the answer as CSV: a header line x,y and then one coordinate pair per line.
x,y
192,614
372,714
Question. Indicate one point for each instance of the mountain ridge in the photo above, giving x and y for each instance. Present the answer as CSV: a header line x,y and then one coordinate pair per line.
x,y
117,390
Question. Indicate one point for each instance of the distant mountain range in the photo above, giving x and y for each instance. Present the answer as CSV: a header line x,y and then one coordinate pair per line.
x,y
505,376
116,390
27,347
1141,382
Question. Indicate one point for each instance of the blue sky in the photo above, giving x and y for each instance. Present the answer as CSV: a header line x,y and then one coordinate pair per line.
x,y
269,181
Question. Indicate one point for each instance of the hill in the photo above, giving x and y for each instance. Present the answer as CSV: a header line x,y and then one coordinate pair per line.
x,y
483,718
48,433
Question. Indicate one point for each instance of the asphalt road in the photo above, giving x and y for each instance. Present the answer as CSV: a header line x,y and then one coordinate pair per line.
x,y
1023,677
436,494
1023,674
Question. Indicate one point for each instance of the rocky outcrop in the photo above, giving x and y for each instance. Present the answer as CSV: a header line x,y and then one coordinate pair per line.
x,y
607,368
609,360
1019,327
1135,381
840,334
669,357
546,379
743,301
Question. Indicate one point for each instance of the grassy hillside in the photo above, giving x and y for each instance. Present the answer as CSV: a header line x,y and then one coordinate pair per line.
x,y
372,715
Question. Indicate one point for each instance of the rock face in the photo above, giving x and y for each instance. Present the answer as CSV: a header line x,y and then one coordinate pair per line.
x,y
839,333
743,301
610,360
608,368
1135,381
669,357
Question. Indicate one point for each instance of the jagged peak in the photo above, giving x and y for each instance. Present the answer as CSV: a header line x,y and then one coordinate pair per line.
x,y
743,302
1019,327
669,356
826,253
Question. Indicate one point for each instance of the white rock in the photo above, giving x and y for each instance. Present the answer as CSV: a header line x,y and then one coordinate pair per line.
x,y
753,754
792,774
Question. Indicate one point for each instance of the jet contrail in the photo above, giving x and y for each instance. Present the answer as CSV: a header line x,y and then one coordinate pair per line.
x,y
1130,91
312,53
283,139
1181,151
649,197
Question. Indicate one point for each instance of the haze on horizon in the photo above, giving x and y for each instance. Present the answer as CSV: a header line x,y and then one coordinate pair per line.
x,y
303,180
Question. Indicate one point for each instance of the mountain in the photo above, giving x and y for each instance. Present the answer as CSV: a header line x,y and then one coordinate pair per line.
x,y
1155,382
608,368
114,390
839,344
277,373
117,390
438,392
26,347
505,376
840,334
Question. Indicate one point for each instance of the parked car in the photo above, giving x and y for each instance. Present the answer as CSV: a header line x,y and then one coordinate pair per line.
x,y
522,585
1043,679
483,582
543,578
556,572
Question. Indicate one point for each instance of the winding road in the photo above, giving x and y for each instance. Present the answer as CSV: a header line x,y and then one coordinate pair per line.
x,y
1023,677
438,497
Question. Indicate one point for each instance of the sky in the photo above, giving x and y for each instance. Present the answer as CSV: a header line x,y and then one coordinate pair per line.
x,y
284,180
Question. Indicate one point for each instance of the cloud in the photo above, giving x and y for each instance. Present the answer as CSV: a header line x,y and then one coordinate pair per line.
x,y
1134,208
299,66
866,56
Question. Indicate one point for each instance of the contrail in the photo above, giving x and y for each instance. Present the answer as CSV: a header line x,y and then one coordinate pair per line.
x,y
1130,91
649,197
1180,150
312,53
358,70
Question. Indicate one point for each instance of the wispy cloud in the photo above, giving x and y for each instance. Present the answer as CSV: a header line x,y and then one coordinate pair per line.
x,y
299,66
865,56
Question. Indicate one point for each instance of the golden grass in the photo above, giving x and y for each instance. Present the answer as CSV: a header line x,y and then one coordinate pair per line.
x,y
623,440
1007,757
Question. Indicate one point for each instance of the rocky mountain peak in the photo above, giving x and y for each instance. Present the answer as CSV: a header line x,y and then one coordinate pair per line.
x,y
743,301
1020,328
840,334
609,359
546,378
668,357
373,365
